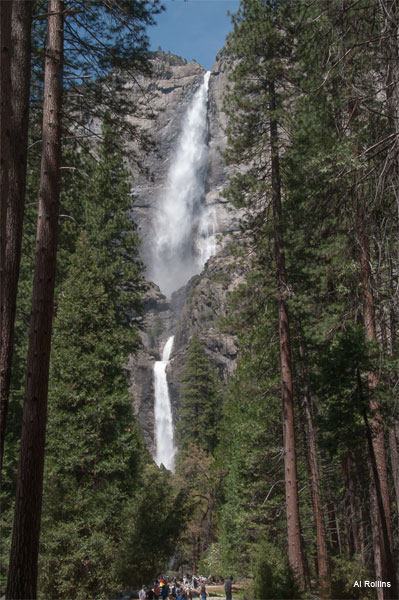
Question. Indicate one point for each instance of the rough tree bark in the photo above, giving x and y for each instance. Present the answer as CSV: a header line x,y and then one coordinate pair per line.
x,y
394,448
22,577
19,120
295,552
373,376
5,145
390,20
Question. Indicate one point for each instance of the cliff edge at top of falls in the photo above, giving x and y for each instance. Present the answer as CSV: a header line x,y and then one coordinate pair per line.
x,y
198,306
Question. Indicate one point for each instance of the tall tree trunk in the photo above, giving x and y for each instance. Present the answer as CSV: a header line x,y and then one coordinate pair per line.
x,y
387,567
362,534
332,524
22,577
394,427
20,89
295,552
321,543
350,507
5,147
394,448
376,422
376,535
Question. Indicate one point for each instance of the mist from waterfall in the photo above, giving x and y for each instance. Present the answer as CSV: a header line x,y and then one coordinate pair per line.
x,y
165,449
183,226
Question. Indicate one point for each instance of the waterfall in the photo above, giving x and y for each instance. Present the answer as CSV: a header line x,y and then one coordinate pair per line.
x,y
164,443
181,215
207,243
184,239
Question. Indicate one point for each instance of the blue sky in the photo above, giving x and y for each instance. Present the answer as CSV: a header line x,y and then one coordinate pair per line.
x,y
195,29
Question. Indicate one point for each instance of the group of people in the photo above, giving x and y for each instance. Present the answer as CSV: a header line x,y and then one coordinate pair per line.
x,y
164,589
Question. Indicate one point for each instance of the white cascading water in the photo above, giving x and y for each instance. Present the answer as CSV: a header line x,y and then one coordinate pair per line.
x,y
165,449
184,239
184,228
207,241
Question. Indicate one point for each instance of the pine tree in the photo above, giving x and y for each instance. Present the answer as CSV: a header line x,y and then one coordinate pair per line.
x,y
94,449
200,401
348,96
263,42
250,450
94,332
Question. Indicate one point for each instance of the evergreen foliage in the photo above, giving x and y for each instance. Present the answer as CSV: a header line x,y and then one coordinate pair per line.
x,y
332,107
154,520
250,450
200,410
94,449
272,575
198,427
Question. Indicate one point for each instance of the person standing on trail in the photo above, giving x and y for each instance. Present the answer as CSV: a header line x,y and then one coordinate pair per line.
x,y
228,588
203,592
143,593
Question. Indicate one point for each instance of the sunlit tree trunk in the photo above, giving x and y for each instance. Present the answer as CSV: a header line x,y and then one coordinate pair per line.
x,y
295,552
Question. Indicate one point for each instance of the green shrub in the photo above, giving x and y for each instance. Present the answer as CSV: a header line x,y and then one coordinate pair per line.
x,y
344,574
272,576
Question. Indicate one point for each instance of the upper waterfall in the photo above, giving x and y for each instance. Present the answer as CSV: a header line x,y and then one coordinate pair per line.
x,y
183,227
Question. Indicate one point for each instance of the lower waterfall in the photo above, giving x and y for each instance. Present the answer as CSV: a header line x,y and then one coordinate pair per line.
x,y
165,449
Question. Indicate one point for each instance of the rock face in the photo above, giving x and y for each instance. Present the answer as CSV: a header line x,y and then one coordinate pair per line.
x,y
218,171
199,305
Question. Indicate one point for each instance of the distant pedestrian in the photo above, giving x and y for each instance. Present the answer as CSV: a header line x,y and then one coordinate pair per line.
x,y
157,592
228,588
203,592
143,593
182,594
